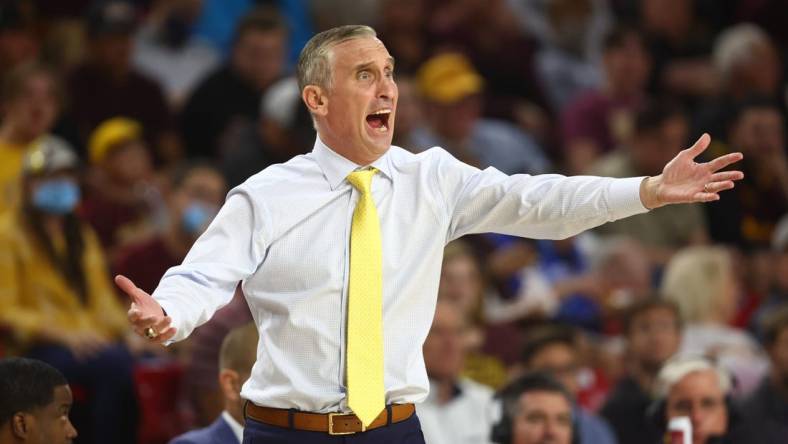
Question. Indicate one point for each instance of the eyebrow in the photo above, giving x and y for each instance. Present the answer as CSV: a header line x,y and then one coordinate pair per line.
x,y
365,65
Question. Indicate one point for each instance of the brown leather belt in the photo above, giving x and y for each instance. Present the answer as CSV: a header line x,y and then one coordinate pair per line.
x,y
331,423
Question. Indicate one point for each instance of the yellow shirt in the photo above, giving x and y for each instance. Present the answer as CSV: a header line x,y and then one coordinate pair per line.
x,y
11,156
33,293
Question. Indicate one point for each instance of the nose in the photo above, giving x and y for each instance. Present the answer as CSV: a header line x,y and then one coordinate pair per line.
x,y
387,89
71,431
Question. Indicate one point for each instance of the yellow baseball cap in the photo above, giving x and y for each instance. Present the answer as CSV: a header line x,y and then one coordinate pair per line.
x,y
109,134
447,78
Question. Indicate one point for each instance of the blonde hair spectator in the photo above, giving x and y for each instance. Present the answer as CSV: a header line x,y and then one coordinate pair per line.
x,y
700,281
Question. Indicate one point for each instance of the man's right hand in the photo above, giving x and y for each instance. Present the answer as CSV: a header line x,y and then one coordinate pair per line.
x,y
145,312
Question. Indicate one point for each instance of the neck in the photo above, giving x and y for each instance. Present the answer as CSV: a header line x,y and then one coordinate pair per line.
x,y
445,389
176,241
357,156
236,412
53,224
642,376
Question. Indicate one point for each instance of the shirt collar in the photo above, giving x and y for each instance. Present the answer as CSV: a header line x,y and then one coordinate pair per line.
x,y
336,167
238,429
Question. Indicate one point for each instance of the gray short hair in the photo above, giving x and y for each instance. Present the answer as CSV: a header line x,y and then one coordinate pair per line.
x,y
678,368
734,47
314,63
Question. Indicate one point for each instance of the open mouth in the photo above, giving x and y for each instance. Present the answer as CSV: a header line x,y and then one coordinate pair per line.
x,y
379,120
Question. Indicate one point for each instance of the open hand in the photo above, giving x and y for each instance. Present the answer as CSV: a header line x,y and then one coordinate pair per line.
x,y
685,181
146,313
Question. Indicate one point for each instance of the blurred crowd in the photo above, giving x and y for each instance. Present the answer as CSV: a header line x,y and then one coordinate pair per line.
x,y
123,124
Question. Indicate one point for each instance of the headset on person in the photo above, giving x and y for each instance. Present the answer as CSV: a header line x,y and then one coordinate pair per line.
x,y
537,381
656,412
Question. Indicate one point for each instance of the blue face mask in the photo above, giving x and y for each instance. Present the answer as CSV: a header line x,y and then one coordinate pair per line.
x,y
57,196
196,217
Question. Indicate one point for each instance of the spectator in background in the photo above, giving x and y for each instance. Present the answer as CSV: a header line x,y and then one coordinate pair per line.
x,y
18,42
197,191
700,390
653,334
704,285
535,409
450,414
778,291
488,32
122,202
283,130
747,64
747,217
229,98
56,295
36,403
553,350
598,121
236,358
680,45
166,49
565,63
403,26
660,132
769,403
30,96
409,113
452,93
201,389
107,85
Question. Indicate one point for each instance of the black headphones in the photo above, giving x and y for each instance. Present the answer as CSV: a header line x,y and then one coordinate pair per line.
x,y
537,381
656,412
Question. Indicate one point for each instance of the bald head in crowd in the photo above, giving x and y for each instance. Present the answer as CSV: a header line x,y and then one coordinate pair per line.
x,y
236,358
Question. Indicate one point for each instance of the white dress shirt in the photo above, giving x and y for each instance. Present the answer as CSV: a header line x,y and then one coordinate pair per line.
x,y
285,234
465,419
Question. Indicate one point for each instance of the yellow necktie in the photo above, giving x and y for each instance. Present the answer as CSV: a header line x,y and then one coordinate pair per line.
x,y
366,394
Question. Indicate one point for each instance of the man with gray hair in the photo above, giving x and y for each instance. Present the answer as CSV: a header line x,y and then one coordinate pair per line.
x,y
696,388
339,251
747,61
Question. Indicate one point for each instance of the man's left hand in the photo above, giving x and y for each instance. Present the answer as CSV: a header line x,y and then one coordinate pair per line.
x,y
685,181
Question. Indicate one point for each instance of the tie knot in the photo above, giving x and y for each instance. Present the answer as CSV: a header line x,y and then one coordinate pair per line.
x,y
362,180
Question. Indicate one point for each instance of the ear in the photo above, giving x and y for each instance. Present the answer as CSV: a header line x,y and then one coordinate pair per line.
x,y
20,425
315,99
230,384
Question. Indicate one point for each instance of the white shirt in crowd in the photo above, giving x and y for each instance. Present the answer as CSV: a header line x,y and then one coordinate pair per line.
x,y
465,419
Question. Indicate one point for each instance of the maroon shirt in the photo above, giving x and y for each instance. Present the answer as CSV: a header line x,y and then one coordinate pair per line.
x,y
594,116
145,263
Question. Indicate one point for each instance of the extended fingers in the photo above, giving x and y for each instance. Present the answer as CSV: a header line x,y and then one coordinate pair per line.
x,y
700,145
128,287
723,161
716,187
705,197
727,175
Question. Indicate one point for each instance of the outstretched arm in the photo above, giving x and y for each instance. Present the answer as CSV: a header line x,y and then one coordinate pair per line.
x,y
685,181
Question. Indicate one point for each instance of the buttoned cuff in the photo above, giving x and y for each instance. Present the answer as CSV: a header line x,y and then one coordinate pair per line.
x,y
624,198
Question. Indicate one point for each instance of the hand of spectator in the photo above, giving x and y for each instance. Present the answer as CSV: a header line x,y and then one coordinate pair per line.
x,y
685,181
145,313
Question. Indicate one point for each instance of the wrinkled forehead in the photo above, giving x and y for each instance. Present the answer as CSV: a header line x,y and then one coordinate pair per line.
x,y
360,50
